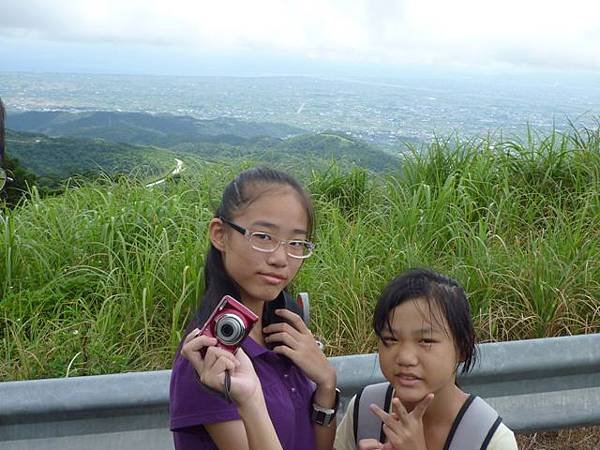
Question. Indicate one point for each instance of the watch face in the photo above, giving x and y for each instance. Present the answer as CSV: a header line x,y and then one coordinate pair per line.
x,y
322,418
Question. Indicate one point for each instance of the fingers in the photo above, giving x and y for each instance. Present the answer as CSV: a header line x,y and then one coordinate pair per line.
x,y
375,409
224,363
193,343
195,332
213,354
369,444
422,406
292,319
283,338
392,434
244,362
399,410
216,363
283,327
215,360
242,357
292,333
401,428
389,422
197,342
284,350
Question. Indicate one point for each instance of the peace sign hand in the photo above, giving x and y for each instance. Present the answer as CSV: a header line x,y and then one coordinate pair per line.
x,y
404,430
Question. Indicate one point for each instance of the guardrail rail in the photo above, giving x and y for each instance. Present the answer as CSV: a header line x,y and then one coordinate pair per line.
x,y
537,384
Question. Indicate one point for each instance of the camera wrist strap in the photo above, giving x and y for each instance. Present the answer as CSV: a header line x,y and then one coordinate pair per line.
x,y
227,386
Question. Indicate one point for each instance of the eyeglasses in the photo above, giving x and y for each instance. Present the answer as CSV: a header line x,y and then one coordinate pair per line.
x,y
264,242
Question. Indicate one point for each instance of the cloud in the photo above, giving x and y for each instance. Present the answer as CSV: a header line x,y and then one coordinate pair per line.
x,y
469,32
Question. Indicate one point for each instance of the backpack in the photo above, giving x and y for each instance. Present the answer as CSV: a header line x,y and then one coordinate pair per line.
x,y
473,428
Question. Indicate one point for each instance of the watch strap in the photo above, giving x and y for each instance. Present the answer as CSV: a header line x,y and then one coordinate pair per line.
x,y
324,416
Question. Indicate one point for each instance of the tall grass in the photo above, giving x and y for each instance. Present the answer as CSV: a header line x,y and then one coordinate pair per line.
x,y
105,277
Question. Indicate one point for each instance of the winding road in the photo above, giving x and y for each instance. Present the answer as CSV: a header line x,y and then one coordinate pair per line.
x,y
176,171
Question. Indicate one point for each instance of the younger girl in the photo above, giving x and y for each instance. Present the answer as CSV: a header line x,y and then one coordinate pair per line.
x,y
258,241
424,326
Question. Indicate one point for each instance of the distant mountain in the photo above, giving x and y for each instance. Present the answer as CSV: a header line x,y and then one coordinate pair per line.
x,y
163,130
64,157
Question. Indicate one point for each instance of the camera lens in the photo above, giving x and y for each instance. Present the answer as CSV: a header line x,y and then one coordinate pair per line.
x,y
230,329
227,330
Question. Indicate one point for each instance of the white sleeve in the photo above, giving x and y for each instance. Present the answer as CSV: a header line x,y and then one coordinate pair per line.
x,y
503,439
344,435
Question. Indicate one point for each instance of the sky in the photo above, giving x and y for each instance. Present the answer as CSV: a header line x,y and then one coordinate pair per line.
x,y
327,37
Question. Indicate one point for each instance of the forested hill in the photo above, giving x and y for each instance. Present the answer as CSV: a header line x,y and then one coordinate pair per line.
x,y
313,151
61,144
60,158
163,130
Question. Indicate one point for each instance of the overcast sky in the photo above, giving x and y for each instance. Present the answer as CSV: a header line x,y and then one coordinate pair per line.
x,y
241,37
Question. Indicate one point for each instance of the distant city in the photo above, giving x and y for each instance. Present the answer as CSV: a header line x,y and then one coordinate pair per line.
x,y
385,112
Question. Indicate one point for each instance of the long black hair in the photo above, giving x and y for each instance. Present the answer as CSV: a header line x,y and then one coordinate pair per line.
x,y
436,289
246,188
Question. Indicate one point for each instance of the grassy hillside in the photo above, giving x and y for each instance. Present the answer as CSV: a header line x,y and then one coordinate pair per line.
x,y
104,278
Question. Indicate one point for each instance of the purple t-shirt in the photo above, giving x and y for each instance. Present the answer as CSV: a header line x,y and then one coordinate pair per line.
x,y
287,392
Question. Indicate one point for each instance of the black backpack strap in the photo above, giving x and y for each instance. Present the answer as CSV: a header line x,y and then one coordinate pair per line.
x,y
474,426
367,424
355,412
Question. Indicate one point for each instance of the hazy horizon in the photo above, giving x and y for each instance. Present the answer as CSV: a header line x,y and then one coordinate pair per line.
x,y
383,110
288,37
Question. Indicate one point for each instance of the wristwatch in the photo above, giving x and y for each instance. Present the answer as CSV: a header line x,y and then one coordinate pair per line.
x,y
324,416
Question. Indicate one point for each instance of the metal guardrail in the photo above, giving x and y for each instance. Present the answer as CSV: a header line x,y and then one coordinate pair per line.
x,y
535,385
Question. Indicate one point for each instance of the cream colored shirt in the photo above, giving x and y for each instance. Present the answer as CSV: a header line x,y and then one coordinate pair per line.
x,y
502,439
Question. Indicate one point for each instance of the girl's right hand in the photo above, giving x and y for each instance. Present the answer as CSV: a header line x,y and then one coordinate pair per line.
x,y
403,430
245,385
369,444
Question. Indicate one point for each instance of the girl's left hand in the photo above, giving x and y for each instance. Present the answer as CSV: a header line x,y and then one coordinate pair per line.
x,y
300,346
404,430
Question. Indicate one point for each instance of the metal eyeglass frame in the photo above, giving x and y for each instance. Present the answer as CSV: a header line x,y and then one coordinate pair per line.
x,y
248,234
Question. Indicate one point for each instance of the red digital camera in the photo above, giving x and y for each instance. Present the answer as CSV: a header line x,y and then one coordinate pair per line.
x,y
229,323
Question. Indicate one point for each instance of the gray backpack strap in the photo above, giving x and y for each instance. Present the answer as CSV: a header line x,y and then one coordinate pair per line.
x,y
474,426
367,424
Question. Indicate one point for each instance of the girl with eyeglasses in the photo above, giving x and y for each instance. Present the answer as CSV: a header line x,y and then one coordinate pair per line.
x,y
285,397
